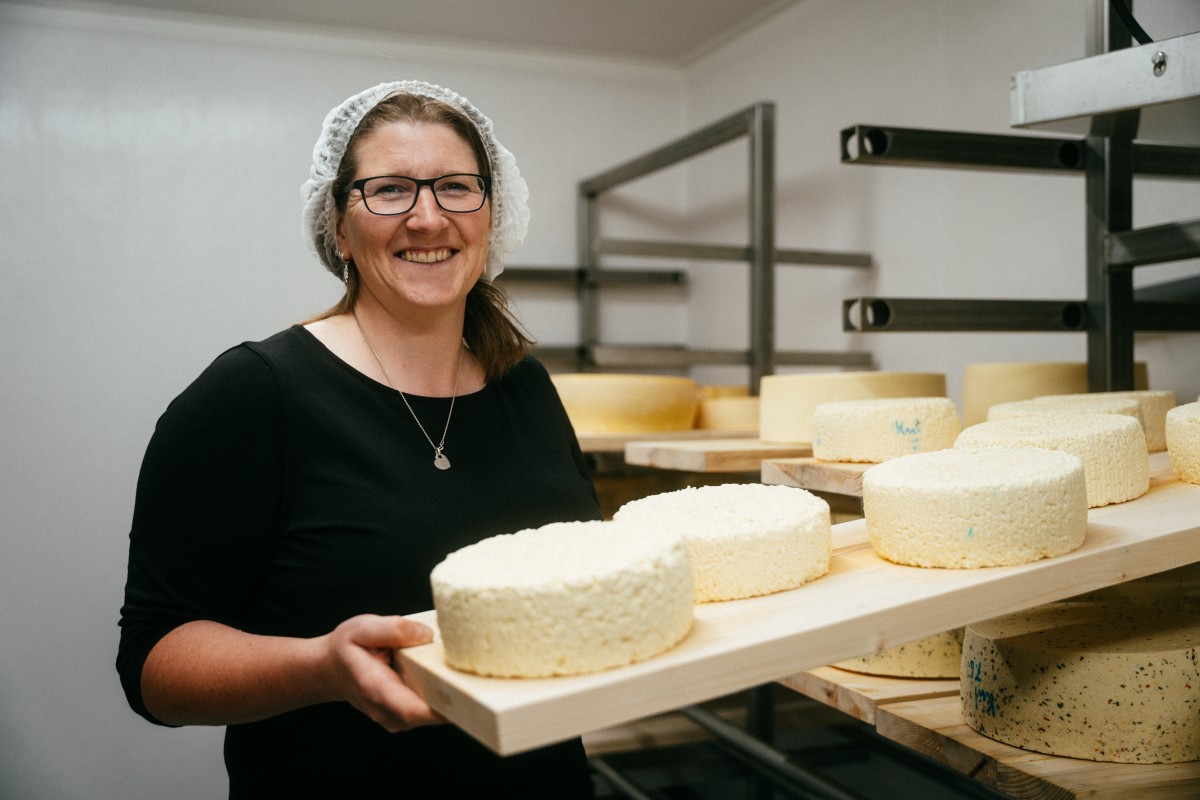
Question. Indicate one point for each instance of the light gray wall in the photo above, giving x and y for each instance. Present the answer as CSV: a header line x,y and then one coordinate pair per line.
x,y
151,201
151,205
941,64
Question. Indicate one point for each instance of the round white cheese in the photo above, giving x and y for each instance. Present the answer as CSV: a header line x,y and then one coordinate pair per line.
x,y
976,506
1102,681
1112,447
788,401
1094,403
882,428
934,656
744,539
601,403
1183,441
1154,403
566,598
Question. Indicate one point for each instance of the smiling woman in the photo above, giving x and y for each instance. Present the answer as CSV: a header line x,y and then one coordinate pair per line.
x,y
288,513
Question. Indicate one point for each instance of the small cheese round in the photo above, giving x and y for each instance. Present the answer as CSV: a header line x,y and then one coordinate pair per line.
x,y
878,429
934,656
566,598
788,401
976,506
1095,403
1101,681
1183,441
744,539
729,413
1155,403
1112,447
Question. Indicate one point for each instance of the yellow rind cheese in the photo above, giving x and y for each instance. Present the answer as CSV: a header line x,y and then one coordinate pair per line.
x,y
878,429
976,506
744,540
600,403
1111,681
1116,464
563,599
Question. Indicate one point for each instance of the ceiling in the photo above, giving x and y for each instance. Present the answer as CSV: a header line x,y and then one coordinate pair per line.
x,y
668,32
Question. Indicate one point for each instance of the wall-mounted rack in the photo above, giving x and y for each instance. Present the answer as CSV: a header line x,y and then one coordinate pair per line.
x,y
1110,86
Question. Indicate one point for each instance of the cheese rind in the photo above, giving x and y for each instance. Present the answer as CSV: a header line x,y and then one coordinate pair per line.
x,y
744,540
1154,403
1183,441
934,656
1112,447
1101,681
882,428
976,506
566,598
787,402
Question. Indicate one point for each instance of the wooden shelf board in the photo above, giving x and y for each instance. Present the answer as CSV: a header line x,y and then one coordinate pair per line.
x,y
862,605
711,455
936,729
836,477
860,695
617,442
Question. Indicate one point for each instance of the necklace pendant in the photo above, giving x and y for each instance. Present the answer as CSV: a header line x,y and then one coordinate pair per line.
x,y
440,461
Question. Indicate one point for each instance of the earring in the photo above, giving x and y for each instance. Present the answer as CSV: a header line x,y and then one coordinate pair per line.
x,y
346,269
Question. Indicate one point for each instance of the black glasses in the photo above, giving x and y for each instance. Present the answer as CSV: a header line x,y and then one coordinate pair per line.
x,y
460,193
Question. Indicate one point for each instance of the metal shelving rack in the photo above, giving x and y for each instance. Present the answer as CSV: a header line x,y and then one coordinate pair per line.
x,y
1110,86
757,125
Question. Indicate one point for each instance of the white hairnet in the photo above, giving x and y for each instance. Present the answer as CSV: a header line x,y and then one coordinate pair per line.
x,y
509,198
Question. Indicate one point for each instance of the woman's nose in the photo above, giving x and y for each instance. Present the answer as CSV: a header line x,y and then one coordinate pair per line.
x,y
426,212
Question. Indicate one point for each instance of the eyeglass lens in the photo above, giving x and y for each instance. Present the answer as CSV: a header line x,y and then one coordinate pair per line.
x,y
394,194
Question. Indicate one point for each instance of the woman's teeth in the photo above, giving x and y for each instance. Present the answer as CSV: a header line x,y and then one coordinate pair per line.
x,y
425,256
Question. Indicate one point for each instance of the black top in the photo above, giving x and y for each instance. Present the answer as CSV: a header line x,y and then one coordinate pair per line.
x,y
284,492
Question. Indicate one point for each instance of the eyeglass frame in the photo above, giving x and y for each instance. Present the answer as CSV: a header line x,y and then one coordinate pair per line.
x,y
361,184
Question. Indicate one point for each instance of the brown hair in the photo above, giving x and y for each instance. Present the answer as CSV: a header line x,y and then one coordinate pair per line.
x,y
491,332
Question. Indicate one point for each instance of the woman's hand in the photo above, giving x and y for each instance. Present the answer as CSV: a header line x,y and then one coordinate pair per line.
x,y
359,653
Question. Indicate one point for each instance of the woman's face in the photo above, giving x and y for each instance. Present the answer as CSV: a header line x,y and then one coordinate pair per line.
x,y
426,259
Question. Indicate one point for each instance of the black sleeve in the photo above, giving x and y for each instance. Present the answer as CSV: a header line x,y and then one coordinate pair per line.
x,y
206,508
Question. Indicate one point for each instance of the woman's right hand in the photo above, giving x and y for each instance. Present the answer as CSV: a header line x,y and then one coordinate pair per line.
x,y
359,654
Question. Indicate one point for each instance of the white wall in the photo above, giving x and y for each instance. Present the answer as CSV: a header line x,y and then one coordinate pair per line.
x,y
152,169
941,64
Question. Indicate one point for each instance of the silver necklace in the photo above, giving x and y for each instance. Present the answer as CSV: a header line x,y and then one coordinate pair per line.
x,y
439,458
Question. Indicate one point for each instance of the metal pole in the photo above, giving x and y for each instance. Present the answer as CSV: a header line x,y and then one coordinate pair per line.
x,y
762,244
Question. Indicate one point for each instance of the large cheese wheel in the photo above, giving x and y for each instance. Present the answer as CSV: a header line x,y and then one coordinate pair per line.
x,y
987,384
1112,447
882,428
934,656
788,401
1102,681
599,403
1068,404
744,539
1183,441
566,598
976,507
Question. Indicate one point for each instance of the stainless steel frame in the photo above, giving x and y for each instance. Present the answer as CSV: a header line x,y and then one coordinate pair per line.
x,y
757,124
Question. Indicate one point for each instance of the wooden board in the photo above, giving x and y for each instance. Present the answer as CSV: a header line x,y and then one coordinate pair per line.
x,y
935,728
714,455
864,604
837,477
860,695
616,442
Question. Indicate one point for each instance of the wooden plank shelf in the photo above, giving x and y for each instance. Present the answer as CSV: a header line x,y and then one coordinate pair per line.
x,y
935,727
617,442
836,477
710,455
862,605
861,695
